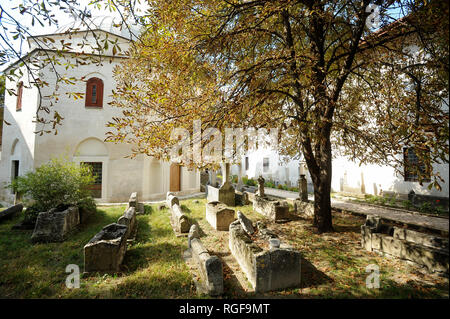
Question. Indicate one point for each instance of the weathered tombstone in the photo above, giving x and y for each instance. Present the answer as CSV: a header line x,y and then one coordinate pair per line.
x,y
106,250
180,222
10,212
303,188
266,270
132,202
241,198
260,191
219,215
272,209
193,233
210,268
226,191
245,223
172,200
53,226
129,219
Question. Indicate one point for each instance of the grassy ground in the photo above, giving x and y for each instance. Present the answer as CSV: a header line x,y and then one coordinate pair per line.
x,y
334,265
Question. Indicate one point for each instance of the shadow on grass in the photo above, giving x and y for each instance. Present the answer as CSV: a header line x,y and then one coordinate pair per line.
x,y
311,276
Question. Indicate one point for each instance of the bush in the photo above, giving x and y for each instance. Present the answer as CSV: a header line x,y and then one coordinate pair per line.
x,y
55,183
251,182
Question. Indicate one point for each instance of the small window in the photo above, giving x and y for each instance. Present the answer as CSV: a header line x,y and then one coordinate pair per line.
x,y
19,97
94,93
414,169
246,163
265,164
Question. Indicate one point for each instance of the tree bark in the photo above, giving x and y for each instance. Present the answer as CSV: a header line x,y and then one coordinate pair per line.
x,y
320,169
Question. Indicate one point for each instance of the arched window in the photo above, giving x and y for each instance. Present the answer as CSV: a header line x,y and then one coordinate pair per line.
x,y
19,96
94,92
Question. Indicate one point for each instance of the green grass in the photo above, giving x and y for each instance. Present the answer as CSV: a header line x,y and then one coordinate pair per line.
x,y
153,267
153,264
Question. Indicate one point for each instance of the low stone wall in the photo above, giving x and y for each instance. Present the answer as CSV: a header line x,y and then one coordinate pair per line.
x,y
266,270
129,219
53,226
10,212
224,194
106,250
272,209
219,216
420,248
210,268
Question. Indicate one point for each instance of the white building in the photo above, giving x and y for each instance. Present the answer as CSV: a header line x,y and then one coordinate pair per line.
x,y
83,131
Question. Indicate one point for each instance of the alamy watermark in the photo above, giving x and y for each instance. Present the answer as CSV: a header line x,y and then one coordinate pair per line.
x,y
73,280
206,147
373,20
373,279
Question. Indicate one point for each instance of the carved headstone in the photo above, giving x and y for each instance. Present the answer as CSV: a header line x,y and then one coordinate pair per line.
x,y
260,186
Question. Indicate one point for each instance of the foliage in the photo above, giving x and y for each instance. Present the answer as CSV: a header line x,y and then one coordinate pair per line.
x,y
250,182
311,68
54,183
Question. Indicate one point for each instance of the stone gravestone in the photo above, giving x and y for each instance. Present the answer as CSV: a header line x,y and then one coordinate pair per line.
x,y
246,223
219,215
106,250
260,191
303,188
10,212
54,226
226,192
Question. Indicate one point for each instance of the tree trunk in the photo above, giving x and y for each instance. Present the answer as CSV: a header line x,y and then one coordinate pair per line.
x,y
322,206
322,190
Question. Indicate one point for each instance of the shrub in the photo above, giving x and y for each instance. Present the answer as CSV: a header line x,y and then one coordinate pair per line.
x,y
251,182
407,204
55,183
269,184
280,186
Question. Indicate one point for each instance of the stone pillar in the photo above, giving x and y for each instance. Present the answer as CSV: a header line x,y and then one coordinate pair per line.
x,y
240,184
261,186
303,188
212,177
226,173
363,186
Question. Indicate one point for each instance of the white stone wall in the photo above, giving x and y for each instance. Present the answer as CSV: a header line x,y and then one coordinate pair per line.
x,y
18,137
81,139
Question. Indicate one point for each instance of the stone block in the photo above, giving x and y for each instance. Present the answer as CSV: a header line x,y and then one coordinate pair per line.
x,y
129,219
219,215
241,198
304,208
54,226
266,270
210,268
421,238
10,212
272,209
106,250
246,223
224,194
172,200
132,202
179,220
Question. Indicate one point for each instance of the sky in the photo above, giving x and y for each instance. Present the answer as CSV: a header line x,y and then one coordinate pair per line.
x,y
63,18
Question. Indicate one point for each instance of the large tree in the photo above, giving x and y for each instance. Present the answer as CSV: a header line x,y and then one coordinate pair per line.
x,y
314,69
